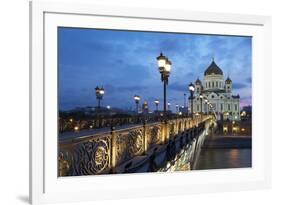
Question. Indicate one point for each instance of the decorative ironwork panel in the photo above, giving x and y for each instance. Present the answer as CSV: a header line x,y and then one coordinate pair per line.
x,y
86,157
172,130
153,135
180,127
129,144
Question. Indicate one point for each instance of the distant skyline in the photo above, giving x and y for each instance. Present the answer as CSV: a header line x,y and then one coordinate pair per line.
x,y
124,63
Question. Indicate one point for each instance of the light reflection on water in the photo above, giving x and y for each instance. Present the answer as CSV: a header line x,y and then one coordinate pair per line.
x,y
224,158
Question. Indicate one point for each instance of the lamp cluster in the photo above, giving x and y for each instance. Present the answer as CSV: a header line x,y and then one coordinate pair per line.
x,y
164,66
99,94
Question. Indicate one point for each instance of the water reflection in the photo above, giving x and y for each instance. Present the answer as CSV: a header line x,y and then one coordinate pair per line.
x,y
224,158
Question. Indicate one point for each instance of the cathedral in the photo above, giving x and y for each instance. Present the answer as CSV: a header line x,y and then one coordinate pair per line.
x,y
218,92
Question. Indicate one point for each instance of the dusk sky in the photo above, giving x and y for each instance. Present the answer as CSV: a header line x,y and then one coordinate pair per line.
x,y
124,63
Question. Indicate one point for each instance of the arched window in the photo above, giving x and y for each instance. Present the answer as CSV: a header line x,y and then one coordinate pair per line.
x,y
213,84
216,83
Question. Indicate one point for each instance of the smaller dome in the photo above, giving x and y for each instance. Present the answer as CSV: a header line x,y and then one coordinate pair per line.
x,y
228,80
198,82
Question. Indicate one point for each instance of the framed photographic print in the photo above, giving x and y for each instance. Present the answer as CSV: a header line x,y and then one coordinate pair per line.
x,y
129,102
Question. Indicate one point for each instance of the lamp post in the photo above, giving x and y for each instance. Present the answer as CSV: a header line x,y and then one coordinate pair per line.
x,y
169,105
206,102
201,99
164,66
177,108
99,94
209,107
137,100
156,104
191,90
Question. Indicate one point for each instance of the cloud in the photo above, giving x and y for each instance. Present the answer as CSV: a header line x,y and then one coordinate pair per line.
x,y
178,87
236,85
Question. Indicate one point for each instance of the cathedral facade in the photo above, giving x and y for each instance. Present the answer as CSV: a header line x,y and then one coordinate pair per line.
x,y
218,91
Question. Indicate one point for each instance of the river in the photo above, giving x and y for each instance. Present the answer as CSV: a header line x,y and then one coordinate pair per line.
x,y
217,158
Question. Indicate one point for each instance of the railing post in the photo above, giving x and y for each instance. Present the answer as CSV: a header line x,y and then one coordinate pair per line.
x,y
145,135
177,126
113,150
167,130
163,131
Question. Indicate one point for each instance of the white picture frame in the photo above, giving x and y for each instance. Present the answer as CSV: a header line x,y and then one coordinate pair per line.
x,y
46,187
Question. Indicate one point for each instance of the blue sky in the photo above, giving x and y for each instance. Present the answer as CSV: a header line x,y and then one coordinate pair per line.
x,y
124,63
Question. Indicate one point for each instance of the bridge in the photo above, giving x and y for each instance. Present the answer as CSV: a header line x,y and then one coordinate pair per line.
x,y
162,146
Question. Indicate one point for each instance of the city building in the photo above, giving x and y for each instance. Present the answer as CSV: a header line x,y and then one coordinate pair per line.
x,y
218,92
145,107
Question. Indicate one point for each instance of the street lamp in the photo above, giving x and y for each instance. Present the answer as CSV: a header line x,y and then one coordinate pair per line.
x,y
164,66
99,94
156,103
137,100
206,102
177,108
169,105
191,90
201,99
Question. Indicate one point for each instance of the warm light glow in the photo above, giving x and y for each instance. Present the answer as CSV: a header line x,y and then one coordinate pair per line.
x,y
76,128
168,66
243,113
161,61
137,98
243,129
225,129
180,113
191,87
71,120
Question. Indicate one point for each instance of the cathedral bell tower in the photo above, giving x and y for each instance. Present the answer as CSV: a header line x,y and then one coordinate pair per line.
x,y
198,86
228,85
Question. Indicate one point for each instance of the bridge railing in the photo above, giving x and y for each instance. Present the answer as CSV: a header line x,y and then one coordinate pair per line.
x,y
101,153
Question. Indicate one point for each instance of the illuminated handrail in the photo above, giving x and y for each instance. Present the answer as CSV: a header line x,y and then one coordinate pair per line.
x,y
101,153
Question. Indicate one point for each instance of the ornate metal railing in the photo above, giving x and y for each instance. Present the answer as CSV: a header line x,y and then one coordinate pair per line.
x,y
69,124
102,153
